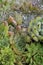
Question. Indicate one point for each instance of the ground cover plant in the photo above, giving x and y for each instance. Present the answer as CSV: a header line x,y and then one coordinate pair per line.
x,y
20,44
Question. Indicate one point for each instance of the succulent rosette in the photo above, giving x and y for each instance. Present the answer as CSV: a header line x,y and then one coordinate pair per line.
x,y
35,29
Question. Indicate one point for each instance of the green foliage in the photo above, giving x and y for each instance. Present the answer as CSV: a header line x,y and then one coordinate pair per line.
x,y
7,56
4,42
20,41
18,47
4,38
34,54
3,29
35,29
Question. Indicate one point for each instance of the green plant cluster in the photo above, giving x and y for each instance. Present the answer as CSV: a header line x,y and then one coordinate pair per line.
x,y
36,29
6,56
20,45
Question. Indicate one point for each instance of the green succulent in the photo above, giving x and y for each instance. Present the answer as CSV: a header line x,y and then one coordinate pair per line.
x,y
7,56
34,54
35,29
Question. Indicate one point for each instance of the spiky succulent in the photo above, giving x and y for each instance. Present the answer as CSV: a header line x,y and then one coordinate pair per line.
x,y
35,29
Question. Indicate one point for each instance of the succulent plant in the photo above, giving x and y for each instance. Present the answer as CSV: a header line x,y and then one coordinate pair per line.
x,y
35,29
20,44
34,54
7,56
